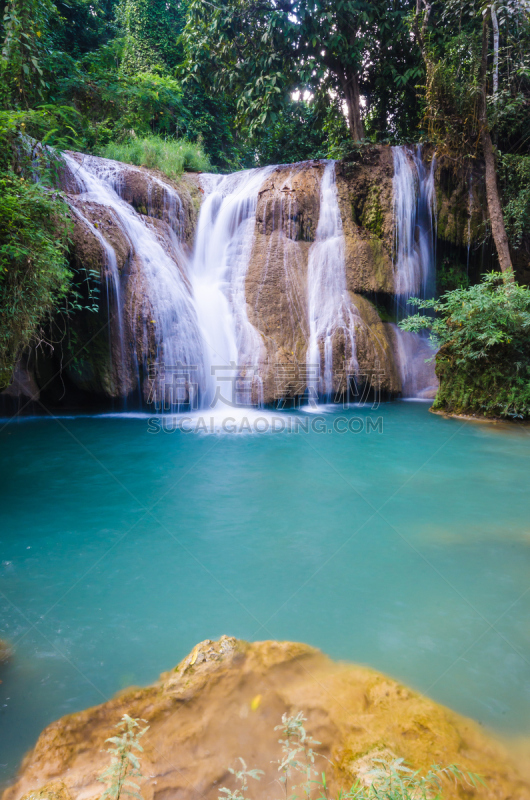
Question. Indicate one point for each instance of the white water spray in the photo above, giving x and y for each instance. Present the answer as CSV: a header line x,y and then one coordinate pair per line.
x,y
225,233
176,331
414,215
415,264
330,308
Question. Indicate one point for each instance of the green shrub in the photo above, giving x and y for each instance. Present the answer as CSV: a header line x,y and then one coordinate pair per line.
x,y
170,156
515,179
34,273
484,336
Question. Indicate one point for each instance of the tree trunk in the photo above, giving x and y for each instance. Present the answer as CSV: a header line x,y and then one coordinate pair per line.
x,y
492,190
495,24
352,96
421,33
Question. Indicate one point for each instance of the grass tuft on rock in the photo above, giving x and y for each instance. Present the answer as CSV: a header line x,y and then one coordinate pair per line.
x,y
170,156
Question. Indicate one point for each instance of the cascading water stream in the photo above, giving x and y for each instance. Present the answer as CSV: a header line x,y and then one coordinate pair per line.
x,y
330,308
177,334
414,214
194,310
415,263
223,244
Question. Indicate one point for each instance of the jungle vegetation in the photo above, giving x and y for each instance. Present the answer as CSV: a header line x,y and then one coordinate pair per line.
x,y
191,84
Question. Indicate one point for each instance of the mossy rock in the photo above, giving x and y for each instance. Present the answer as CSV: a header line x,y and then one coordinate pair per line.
x,y
373,216
224,700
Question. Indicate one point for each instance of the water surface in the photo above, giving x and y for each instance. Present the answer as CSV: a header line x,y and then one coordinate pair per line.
x,y
407,550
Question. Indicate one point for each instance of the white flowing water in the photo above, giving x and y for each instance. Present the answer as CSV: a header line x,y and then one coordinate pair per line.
x,y
415,264
414,357
414,214
195,309
330,308
176,330
225,233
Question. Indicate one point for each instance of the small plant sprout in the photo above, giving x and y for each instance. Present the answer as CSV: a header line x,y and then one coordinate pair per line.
x,y
124,764
385,778
392,780
298,755
241,775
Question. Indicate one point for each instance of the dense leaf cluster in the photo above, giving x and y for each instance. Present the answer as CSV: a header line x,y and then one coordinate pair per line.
x,y
34,272
454,83
484,336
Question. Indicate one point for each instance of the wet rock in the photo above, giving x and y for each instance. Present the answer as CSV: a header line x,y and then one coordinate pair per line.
x,y
223,701
286,222
374,349
23,385
366,201
5,651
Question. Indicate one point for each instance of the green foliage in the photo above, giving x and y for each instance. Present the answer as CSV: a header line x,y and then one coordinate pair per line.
x,y
111,105
387,780
261,53
335,129
484,336
450,274
81,26
298,756
392,780
453,92
34,274
515,178
25,24
152,28
170,156
296,135
125,764
454,83
241,775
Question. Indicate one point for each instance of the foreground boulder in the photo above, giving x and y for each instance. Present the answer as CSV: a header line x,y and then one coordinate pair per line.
x,y
5,651
224,700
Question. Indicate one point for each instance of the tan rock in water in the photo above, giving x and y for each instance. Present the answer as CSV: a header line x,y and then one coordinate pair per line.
x,y
224,700
5,651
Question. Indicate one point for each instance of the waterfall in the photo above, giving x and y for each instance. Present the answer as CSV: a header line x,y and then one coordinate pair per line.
x,y
414,215
330,309
171,308
189,314
415,264
225,233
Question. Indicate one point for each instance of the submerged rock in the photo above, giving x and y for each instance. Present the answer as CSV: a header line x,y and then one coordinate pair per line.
x,y
5,651
224,700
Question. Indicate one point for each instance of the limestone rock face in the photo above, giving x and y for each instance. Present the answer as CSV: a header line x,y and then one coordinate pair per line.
x,y
366,200
223,702
276,285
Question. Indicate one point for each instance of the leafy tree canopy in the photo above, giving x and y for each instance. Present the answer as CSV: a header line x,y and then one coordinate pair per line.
x,y
263,51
